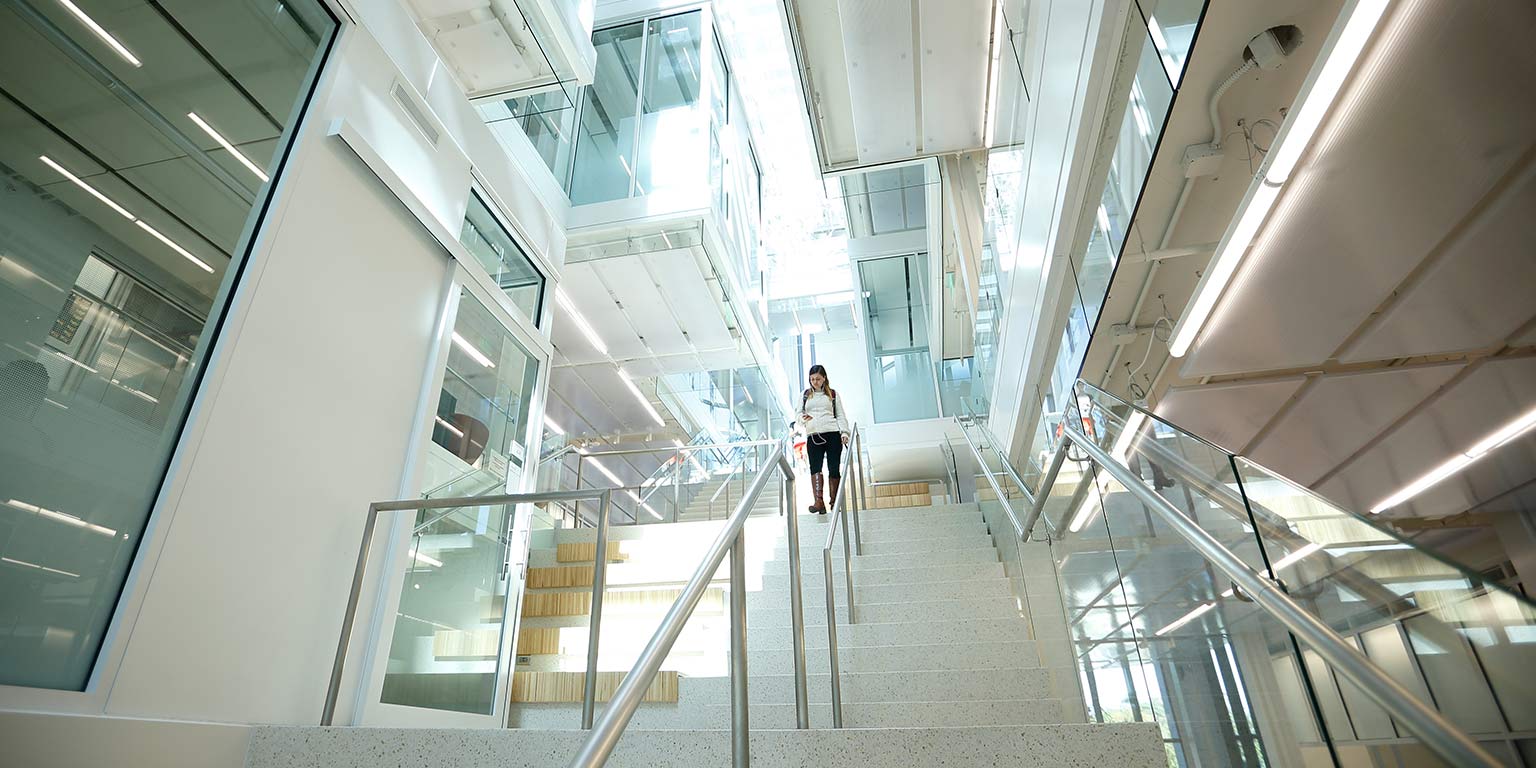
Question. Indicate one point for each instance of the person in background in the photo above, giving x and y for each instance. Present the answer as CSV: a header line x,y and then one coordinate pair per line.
x,y
825,421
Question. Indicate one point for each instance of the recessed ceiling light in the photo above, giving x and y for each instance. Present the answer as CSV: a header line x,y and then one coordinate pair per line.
x,y
581,322
228,147
1511,430
550,425
88,188
174,246
640,396
101,32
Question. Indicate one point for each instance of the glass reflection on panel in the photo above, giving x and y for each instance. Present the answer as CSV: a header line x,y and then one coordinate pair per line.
x,y
506,261
132,171
672,131
605,152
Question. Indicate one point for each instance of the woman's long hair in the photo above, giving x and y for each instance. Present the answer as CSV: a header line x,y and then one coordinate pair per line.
x,y
826,381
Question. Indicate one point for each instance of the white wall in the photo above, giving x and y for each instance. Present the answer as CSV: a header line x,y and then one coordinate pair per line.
x,y
308,412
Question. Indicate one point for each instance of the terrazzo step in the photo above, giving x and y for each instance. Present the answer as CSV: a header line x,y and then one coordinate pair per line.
x,y
976,539
810,562
1124,745
778,578
927,685
781,715
813,591
947,609
905,658
768,638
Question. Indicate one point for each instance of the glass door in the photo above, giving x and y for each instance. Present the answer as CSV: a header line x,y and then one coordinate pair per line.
x,y
445,648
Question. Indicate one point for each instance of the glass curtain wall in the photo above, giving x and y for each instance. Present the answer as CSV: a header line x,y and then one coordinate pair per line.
x,y
1146,111
137,142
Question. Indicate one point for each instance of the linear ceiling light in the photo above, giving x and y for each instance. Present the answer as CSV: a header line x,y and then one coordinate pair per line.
x,y
110,203
451,428
550,425
1295,557
1186,618
424,560
581,322
61,517
603,468
228,147
1515,428
101,32
471,350
1348,40
640,396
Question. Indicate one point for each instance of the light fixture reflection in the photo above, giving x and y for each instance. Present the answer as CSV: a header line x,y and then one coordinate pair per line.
x,y
228,147
640,396
1186,618
581,322
471,350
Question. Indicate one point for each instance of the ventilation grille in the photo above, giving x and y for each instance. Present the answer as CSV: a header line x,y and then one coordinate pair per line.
x,y
417,114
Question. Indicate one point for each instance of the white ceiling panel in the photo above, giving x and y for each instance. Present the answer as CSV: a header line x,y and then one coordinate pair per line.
x,y
690,300
954,35
1339,414
591,299
877,43
1228,415
1475,295
821,41
1472,409
1389,181
632,283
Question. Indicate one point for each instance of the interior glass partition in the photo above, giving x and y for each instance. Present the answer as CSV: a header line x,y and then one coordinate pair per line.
x,y
493,246
137,147
604,162
896,307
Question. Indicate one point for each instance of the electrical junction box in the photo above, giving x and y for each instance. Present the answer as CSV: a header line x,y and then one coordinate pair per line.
x,y
1202,160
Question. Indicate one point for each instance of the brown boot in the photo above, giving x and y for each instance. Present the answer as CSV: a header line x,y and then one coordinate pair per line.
x,y
818,506
832,484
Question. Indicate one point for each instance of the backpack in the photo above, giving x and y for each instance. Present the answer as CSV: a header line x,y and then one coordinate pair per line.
x,y
831,395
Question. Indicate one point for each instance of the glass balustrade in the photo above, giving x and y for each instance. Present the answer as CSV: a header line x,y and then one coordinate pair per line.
x,y
1160,635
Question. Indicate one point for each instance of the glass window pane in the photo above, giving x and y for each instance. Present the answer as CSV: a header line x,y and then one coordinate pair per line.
x,y
1461,692
123,211
605,149
674,149
492,245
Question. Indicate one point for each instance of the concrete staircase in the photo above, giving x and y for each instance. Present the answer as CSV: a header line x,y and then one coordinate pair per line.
x,y
952,662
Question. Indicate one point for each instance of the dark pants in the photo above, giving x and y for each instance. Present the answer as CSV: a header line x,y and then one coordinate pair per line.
x,y
826,446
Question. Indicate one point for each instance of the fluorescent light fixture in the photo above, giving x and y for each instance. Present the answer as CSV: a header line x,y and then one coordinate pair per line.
x,y
1301,125
471,350
994,73
550,425
1511,430
581,322
1103,216
648,508
1303,121
228,147
61,517
101,32
70,360
1186,618
451,428
1295,557
640,396
424,560
1356,548
88,188
135,392
26,564
173,246
603,468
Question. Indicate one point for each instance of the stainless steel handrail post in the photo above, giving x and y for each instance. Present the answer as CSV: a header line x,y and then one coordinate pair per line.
x,y
1437,732
796,599
842,511
328,712
597,747
858,539
835,668
741,753
1018,529
1046,481
594,625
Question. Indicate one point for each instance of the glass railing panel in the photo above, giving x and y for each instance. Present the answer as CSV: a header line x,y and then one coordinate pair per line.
x,y
445,652
1160,638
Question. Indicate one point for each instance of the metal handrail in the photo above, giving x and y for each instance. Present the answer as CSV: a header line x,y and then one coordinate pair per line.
x,y
349,618
1437,732
1029,523
1013,518
621,707
837,513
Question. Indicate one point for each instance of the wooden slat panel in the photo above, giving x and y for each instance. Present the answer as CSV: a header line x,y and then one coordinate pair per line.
x,y
560,576
459,644
583,551
557,604
567,687
535,641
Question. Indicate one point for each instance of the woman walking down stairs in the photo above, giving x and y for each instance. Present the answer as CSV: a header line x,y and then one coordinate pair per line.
x,y
950,663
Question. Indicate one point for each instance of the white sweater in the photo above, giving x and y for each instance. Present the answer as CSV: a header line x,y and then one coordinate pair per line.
x,y
819,408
